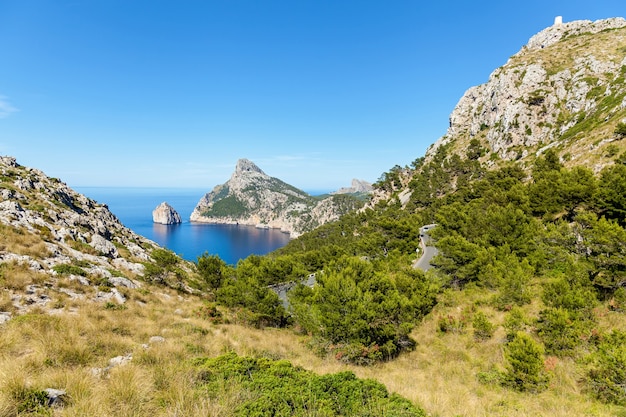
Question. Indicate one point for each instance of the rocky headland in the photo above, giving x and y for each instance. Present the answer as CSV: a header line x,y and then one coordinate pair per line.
x,y
251,197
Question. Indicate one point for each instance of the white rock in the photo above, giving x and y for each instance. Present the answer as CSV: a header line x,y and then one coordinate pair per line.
x,y
165,214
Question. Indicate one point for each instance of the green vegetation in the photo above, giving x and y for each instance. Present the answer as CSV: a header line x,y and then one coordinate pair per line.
x,y
620,129
525,371
229,206
277,388
69,269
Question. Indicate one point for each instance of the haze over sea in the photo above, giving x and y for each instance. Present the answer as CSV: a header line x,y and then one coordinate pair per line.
x,y
133,206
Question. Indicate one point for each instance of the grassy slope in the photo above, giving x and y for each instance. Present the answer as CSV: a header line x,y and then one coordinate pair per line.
x,y
41,350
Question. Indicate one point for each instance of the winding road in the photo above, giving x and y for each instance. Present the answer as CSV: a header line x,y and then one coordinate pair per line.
x,y
428,252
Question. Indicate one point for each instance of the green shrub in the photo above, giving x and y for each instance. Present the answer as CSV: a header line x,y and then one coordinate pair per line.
x,y
164,258
210,312
525,370
620,129
451,324
363,311
607,378
483,328
514,322
561,331
67,269
277,388
31,401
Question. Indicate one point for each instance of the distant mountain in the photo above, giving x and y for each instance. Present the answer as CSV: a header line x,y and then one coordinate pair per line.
x,y
251,197
358,187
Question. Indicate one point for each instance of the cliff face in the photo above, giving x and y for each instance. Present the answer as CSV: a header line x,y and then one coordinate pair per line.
x,y
565,90
251,197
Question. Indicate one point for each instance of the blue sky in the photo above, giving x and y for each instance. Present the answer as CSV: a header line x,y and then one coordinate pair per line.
x,y
316,92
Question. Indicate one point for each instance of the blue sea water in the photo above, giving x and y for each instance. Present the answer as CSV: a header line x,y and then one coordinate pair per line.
x,y
133,206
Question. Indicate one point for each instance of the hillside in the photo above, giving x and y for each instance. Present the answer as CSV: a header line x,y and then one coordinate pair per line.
x,y
251,197
523,312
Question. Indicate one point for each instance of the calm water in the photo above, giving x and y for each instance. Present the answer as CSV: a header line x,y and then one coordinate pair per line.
x,y
133,206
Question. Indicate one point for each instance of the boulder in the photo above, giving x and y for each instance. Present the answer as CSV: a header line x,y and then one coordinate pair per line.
x,y
165,214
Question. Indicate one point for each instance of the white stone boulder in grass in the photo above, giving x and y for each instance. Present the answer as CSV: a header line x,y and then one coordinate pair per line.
x,y
165,214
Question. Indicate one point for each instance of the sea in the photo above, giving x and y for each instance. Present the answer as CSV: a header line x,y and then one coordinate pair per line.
x,y
133,206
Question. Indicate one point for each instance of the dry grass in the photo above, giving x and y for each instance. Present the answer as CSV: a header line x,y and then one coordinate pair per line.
x,y
39,351
22,242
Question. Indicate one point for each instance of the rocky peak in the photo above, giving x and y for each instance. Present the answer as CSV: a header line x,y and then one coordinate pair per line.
x,y
165,214
556,32
564,90
245,166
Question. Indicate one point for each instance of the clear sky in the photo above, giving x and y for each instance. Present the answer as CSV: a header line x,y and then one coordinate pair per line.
x,y
315,92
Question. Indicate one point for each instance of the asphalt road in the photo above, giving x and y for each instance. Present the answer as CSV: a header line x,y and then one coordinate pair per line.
x,y
428,252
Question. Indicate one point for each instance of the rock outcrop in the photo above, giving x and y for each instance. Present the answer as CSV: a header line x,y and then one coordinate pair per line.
x,y
165,214
251,197
564,90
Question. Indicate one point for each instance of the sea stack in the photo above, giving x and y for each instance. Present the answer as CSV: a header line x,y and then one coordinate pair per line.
x,y
165,214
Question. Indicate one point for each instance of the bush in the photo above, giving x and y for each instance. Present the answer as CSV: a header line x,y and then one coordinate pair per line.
x,y
560,331
607,379
483,328
276,388
451,324
514,322
525,370
67,269
620,129
365,312
164,258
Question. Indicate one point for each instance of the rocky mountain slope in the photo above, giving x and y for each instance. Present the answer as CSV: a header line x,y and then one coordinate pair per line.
x,y
251,197
51,231
564,90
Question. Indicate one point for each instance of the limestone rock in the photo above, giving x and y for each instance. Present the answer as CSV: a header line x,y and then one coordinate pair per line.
x,y
564,76
103,246
165,214
56,397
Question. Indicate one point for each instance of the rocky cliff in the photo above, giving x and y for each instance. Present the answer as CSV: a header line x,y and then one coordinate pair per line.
x,y
165,214
564,90
251,197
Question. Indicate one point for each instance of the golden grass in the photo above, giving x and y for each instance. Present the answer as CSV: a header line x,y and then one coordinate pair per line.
x,y
41,351
22,242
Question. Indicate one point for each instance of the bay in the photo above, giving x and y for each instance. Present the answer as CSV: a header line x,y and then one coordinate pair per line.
x,y
133,206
